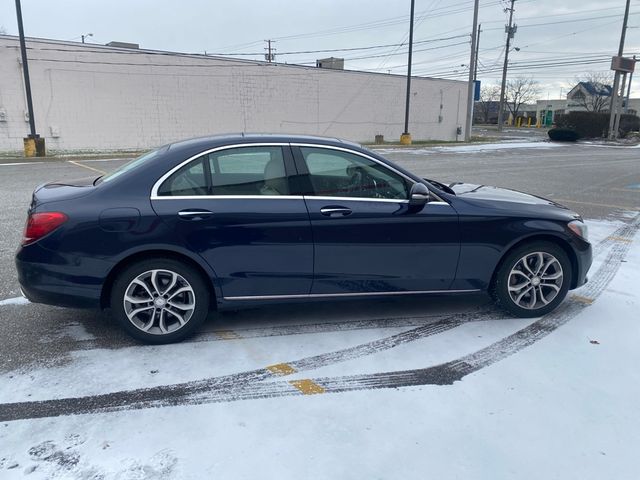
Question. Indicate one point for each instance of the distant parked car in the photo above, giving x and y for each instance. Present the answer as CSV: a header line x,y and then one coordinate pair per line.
x,y
236,220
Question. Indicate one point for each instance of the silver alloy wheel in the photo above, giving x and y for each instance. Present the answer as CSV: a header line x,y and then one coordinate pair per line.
x,y
535,280
159,302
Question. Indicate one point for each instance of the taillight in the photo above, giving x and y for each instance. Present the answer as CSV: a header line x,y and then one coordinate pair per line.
x,y
40,224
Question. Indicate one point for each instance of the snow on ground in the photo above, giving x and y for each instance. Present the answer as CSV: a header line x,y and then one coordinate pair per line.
x,y
565,407
14,301
480,147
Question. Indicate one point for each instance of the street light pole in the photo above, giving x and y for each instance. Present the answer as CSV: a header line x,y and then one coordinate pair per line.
x,y
510,33
405,138
33,144
472,71
25,70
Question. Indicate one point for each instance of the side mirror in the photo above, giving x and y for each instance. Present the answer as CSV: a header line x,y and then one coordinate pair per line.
x,y
419,195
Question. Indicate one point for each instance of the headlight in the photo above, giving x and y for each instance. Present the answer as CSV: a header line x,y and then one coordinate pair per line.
x,y
580,229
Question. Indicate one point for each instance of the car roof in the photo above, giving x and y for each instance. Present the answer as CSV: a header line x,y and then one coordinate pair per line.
x,y
219,140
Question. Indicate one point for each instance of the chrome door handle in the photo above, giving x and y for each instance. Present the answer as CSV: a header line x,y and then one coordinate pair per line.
x,y
193,214
335,211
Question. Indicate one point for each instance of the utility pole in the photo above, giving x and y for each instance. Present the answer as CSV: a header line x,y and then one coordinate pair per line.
x,y
511,30
405,138
613,118
33,144
475,63
270,56
626,105
472,70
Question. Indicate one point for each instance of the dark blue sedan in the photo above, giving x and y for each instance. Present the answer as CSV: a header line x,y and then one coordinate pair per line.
x,y
227,221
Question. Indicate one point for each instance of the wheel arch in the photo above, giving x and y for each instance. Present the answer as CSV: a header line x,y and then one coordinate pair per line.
x,y
543,237
156,253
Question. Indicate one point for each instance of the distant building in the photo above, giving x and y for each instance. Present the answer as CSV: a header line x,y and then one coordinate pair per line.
x,y
119,96
585,96
331,62
591,96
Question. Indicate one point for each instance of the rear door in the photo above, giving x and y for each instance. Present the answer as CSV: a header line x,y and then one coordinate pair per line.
x,y
234,206
367,238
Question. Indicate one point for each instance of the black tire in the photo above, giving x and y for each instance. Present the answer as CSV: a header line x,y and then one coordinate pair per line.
x,y
177,322
500,288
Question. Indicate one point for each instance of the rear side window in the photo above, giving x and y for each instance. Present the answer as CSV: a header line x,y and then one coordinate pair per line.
x,y
188,181
236,171
133,164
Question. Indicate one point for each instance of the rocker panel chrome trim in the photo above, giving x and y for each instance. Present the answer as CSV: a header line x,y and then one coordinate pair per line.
x,y
327,295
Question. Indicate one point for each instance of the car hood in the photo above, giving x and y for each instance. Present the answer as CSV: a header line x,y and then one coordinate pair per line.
x,y
491,194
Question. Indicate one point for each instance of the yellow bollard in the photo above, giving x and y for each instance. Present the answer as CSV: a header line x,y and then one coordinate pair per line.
x,y
405,139
529,122
29,147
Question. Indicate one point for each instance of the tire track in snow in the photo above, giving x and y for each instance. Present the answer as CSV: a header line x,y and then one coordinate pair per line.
x,y
182,393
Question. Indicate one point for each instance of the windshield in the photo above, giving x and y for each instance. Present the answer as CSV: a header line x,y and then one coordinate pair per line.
x,y
135,163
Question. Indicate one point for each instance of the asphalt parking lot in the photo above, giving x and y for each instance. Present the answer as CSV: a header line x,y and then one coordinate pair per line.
x,y
415,383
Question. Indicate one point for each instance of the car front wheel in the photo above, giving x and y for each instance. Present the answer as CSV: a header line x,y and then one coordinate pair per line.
x,y
533,279
160,300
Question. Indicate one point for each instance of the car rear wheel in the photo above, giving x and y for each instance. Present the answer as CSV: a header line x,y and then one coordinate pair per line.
x,y
160,300
533,279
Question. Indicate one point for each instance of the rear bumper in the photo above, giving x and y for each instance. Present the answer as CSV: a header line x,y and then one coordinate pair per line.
x,y
54,279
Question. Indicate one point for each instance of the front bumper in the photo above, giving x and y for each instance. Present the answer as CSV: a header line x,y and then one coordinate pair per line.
x,y
584,257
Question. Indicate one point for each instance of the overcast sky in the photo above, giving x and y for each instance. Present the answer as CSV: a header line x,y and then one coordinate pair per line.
x,y
551,33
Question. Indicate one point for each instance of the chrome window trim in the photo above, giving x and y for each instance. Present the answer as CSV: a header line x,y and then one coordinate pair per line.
x,y
228,197
363,155
354,199
156,185
326,295
286,197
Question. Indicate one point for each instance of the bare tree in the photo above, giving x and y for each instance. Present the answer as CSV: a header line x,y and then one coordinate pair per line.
x,y
598,99
519,91
486,106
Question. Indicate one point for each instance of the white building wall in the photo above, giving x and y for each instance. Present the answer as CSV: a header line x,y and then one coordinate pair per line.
x,y
93,97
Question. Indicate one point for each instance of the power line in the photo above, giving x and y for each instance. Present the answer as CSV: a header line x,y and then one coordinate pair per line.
x,y
351,49
589,19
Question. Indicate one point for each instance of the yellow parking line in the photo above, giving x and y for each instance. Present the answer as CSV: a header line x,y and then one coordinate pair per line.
x,y
88,167
307,387
281,369
581,299
619,239
227,334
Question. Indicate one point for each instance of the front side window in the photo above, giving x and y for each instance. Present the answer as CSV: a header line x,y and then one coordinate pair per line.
x,y
235,171
335,173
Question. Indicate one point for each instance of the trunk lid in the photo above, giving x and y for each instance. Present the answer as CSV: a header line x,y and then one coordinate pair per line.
x,y
62,190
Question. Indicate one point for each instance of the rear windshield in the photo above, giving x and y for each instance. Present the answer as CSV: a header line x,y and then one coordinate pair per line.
x,y
135,163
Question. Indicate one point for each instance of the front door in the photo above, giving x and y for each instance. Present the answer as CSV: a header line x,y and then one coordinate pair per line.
x,y
367,239
234,207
